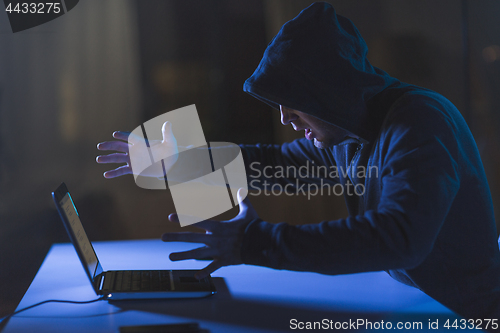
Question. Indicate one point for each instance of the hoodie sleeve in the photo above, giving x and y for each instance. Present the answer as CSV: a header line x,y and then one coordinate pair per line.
x,y
419,180
292,164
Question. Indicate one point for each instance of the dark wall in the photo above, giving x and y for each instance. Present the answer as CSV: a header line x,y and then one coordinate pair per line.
x,y
202,55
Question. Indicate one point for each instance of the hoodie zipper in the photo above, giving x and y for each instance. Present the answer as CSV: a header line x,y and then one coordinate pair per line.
x,y
351,164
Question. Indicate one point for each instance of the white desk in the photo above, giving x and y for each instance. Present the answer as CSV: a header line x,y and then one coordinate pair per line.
x,y
249,298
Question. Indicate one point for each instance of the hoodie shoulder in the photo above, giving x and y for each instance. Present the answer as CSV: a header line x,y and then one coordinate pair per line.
x,y
421,117
424,105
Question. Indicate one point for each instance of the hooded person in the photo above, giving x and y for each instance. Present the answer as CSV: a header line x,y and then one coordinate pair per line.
x,y
418,200
424,214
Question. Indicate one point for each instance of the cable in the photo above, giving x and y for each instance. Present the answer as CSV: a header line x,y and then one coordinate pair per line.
x,y
50,301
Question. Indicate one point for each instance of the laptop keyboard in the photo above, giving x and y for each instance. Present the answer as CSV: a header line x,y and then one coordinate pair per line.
x,y
135,281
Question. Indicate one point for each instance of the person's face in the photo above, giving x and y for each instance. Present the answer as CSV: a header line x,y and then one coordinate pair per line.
x,y
324,134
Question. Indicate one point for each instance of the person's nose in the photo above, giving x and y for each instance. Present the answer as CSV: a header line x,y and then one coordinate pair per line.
x,y
287,117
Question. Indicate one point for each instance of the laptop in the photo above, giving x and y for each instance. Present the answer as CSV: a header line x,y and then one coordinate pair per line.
x,y
126,284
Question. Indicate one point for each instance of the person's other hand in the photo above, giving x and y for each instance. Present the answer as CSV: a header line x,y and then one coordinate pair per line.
x,y
223,239
127,144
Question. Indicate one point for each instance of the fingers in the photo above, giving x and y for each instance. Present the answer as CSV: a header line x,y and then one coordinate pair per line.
x,y
114,145
245,204
166,130
212,267
242,195
123,170
208,225
174,218
116,157
128,136
190,237
113,158
199,253
121,135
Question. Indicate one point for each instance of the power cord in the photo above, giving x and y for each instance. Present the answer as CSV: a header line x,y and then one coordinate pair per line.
x,y
50,301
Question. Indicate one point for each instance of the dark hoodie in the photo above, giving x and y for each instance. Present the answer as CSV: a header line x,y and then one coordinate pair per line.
x,y
426,217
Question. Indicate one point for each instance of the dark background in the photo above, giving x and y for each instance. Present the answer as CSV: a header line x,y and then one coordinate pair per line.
x,y
111,65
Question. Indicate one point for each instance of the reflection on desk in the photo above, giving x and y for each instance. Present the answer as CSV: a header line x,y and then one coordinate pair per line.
x,y
248,299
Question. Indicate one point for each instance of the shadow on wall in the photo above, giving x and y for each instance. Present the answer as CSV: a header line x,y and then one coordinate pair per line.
x,y
409,57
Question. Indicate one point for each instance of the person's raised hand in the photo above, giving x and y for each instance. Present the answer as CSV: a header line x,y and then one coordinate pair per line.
x,y
222,239
127,144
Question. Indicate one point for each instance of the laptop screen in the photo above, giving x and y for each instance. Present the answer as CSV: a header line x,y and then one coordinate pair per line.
x,y
80,237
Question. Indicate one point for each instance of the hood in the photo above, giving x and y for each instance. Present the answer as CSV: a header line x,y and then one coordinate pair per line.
x,y
317,64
